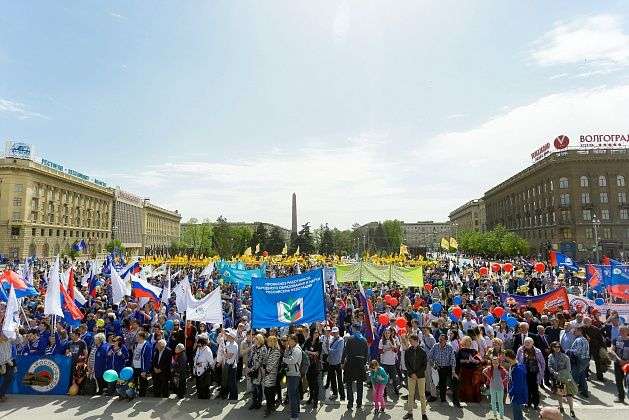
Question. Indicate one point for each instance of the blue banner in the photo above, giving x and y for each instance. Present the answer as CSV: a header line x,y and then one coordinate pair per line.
x,y
282,301
37,375
239,275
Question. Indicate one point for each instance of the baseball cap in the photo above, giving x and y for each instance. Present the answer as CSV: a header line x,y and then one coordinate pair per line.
x,y
335,329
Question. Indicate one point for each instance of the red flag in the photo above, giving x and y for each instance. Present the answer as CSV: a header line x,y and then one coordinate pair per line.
x,y
71,284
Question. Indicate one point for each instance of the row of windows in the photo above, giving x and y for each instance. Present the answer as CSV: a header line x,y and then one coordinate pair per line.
x,y
585,181
564,218
71,233
566,233
564,198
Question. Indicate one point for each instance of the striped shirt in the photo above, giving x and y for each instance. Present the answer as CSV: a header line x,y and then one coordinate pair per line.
x,y
5,351
442,357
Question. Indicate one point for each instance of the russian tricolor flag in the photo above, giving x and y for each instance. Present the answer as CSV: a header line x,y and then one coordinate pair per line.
x,y
72,315
10,278
557,259
367,314
132,268
141,288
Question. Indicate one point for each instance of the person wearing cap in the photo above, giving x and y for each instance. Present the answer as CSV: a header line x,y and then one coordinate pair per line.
x,y
179,368
292,359
335,374
202,366
230,361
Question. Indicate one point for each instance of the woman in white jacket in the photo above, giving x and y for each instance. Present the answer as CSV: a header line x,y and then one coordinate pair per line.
x,y
203,364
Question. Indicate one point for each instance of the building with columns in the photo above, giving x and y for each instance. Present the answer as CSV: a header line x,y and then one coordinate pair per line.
x,y
44,210
160,229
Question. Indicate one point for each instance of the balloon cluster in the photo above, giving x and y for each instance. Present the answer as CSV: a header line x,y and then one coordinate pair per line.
x,y
391,300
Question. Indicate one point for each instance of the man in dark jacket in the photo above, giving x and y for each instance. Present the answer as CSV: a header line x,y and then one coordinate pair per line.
x,y
415,360
162,358
354,361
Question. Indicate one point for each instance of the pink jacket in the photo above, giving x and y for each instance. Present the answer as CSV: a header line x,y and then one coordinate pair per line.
x,y
489,373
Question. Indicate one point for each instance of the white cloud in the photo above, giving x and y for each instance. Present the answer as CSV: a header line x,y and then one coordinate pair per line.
x,y
377,176
18,110
597,40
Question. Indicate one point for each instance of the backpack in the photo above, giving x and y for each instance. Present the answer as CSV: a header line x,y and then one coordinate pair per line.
x,y
305,363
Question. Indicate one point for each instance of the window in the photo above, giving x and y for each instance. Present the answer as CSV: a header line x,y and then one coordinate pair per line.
x,y
20,187
567,234
604,198
49,232
585,198
587,215
565,216
605,214
551,184
607,233
17,202
15,215
33,232
58,232
563,182
602,181
584,181
620,181
622,197
15,231
588,233
564,199
624,214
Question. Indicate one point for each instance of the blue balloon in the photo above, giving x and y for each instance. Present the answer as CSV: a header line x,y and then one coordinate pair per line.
x,y
512,322
590,294
436,308
490,319
505,316
453,317
457,300
126,373
599,301
168,325
369,292
110,375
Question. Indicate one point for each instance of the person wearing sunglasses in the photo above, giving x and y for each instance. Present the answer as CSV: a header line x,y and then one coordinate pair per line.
x,y
560,370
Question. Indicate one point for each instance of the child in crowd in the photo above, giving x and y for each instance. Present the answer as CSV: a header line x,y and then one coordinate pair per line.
x,y
497,383
125,389
379,379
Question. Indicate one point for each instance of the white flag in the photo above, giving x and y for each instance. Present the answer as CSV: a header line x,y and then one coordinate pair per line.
x,y
11,316
52,301
211,310
207,271
78,297
118,287
166,292
181,294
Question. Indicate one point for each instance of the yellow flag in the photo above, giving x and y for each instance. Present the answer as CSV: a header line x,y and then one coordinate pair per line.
x,y
445,244
297,250
454,244
257,248
247,252
285,249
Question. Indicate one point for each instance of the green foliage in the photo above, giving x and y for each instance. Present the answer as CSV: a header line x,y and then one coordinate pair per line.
x,y
115,244
222,240
304,240
498,242
326,247
394,233
196,238
260,236
275,243
241,237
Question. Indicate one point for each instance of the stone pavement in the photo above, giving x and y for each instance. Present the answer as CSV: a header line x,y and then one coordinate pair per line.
x,y
600,405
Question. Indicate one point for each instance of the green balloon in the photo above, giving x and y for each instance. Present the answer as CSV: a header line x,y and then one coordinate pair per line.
x,y
110,375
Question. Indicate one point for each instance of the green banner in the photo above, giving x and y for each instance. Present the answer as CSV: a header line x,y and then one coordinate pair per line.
x,y
370,273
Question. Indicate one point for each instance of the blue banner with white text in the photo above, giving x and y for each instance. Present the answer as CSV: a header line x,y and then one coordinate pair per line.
x,y
282,301
37,375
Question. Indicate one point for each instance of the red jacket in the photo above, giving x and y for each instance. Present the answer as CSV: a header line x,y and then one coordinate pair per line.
x,y
489,373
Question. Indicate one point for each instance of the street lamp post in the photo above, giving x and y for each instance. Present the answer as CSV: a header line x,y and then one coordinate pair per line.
x,y
596,223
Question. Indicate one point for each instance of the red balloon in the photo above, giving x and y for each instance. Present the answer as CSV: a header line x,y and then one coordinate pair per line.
x,y
428,287
393,301
402,331
483,271
499,311
387,298
625,368
383,319
401,322
457,311
417,305
540,267
495,267
507,267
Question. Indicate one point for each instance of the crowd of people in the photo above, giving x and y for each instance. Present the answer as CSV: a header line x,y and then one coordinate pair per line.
x,y
472,353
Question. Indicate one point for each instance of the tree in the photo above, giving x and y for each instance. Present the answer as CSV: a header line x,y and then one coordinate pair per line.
x,y
196,238
344,242
381,239
497,243
276,241
260,236
241,238
326,246
304,240
395,234
222,240
115,244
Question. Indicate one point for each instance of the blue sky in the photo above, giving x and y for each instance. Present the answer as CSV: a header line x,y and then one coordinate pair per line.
x,y
367,110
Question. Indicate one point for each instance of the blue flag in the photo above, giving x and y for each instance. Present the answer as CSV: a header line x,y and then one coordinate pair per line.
x,y
282,301
238,276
